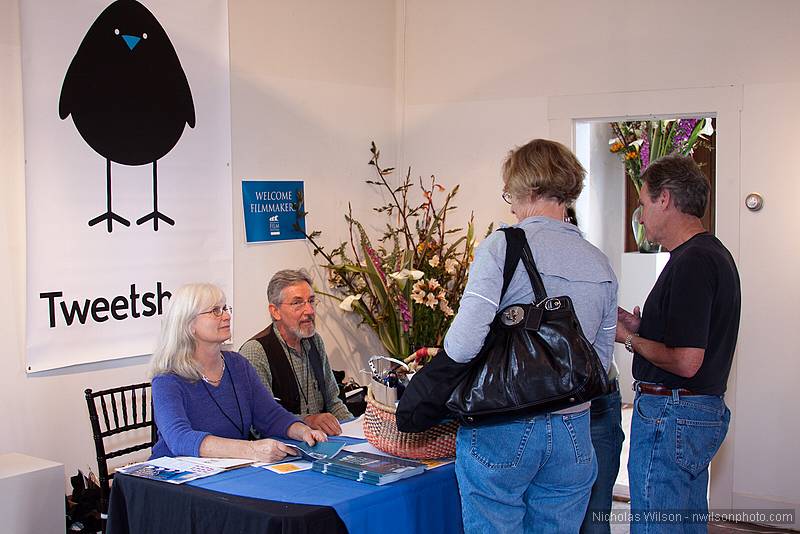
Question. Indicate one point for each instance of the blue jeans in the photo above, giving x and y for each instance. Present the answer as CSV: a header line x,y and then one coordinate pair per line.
x,y
527,475
673,440
607,438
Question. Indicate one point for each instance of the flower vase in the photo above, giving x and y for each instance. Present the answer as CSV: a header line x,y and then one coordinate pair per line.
x,y
639,234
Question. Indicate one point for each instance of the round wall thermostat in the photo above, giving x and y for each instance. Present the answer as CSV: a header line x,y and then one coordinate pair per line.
x,y
754,202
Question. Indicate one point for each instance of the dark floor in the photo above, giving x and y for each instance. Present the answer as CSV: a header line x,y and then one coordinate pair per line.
x,y
713,528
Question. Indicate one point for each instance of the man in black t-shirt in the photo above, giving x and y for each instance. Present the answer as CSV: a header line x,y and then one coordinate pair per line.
x,y
683,345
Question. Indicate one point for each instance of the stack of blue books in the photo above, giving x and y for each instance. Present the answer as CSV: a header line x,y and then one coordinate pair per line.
x,y
367,467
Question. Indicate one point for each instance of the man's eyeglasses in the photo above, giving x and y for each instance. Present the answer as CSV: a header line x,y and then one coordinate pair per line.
x,y
217,311
299,304
507,197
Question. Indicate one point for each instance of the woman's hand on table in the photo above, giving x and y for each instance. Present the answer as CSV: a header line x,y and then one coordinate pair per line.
x,y
270,450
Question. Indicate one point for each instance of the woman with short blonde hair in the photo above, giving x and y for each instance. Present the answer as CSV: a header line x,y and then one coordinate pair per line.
x,y
544,169
533,474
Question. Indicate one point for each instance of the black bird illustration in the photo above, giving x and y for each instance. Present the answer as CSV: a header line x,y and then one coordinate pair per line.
x,y
128,95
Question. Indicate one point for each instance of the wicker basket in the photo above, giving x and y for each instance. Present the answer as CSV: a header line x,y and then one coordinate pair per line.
x,y
380,429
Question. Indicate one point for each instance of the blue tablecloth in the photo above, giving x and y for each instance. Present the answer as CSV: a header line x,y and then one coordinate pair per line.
x,y
423,503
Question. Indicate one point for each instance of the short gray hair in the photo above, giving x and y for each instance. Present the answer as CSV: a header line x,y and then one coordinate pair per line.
x,y
283,279
682,177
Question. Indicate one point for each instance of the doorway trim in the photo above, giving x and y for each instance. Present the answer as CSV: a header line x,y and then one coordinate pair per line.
x,y
722,102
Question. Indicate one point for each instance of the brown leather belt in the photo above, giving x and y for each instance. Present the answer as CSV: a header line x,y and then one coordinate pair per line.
x,y
656,389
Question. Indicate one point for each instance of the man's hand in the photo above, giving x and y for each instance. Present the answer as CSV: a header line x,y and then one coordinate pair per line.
x,y
627,323
302,432
312,437
324,421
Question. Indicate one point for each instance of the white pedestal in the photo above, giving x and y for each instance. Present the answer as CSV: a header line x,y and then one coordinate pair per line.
x,y
639,274
32,493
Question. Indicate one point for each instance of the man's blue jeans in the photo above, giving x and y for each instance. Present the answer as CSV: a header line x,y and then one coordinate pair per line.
x,y
527,475
607,438
673,440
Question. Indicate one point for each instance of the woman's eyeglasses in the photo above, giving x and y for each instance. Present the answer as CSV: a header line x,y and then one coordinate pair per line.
x,y
299,304
507,197
217,311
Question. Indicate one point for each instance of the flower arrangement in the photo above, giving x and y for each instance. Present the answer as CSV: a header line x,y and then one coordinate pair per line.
x,y
405,284
639,142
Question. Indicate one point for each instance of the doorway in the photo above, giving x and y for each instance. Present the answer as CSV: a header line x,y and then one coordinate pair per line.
x,y
725,104
614,153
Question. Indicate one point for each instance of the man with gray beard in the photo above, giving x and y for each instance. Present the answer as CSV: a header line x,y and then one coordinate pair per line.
x,y
290,358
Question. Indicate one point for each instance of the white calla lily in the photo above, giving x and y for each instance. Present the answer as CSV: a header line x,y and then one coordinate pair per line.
x,y
405,274
347,303
708,128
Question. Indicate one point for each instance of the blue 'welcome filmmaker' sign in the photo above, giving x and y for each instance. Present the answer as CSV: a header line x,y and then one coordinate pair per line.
x,y
270,210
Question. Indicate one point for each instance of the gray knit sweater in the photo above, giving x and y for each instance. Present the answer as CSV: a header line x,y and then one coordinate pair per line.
x,y
569,265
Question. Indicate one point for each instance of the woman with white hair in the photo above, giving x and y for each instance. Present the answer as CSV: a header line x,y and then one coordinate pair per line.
x,y
209,402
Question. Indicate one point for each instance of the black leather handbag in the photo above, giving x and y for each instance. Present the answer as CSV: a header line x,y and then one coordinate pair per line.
x,y
535,358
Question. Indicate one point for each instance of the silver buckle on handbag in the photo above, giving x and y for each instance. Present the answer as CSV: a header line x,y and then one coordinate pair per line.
x,y
513,316
552,304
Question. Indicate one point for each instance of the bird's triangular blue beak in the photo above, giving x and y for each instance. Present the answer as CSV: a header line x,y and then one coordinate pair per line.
x,y
131,40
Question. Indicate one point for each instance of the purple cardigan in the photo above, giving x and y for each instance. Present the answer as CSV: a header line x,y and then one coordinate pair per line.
x,y
186,412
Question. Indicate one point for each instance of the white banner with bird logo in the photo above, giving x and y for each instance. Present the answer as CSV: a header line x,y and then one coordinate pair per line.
x,y
128,180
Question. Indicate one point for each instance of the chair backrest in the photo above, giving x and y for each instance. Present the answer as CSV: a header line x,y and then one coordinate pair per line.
x,y
120,410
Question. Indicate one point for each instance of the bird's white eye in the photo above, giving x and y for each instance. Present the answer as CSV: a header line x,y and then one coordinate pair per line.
x,y
116,31
144,36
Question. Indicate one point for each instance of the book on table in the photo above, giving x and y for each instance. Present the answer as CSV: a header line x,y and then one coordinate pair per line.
x,y
171,470
368,467
221,463
183,468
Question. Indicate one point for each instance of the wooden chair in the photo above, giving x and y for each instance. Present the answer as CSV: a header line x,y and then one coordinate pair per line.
x,y
122,409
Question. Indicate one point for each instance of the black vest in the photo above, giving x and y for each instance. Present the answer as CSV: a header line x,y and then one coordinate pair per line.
x,y
285,384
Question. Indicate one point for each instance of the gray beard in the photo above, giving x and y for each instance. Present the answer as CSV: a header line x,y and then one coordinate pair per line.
x,y
304,333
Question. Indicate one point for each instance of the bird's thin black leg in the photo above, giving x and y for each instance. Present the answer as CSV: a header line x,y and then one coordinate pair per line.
x,y
155,214
109,216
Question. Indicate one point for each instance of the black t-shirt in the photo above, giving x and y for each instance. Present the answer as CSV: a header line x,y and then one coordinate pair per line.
x,y
696,302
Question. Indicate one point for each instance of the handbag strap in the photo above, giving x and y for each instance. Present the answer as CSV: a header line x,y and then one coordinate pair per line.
x,y
517,248
539,292
515,241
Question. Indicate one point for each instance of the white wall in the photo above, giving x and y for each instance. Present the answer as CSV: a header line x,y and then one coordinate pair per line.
x,y
766,466
481,79
312,84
